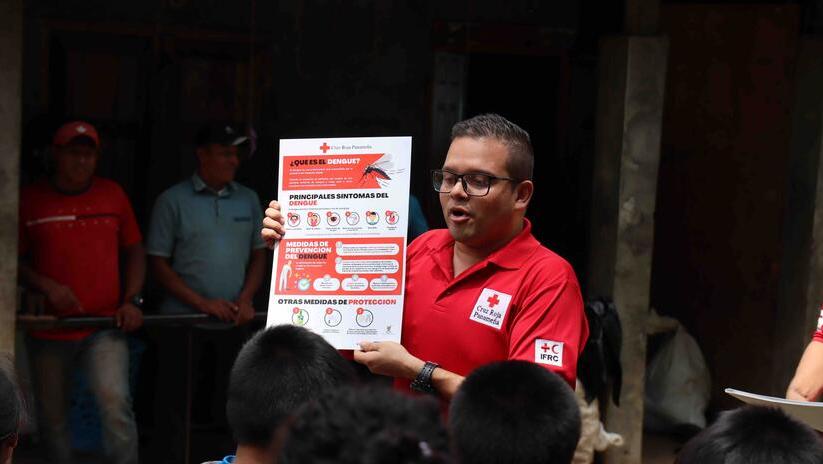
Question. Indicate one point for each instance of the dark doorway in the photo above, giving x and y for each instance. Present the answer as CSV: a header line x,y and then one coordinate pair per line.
x,y
532,91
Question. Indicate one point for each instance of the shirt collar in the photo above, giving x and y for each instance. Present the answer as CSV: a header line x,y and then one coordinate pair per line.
x,y
510,256
199,186
515,253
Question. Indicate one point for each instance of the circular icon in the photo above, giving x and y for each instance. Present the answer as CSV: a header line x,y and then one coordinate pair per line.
x,y
294,219
299,317
392,217
364,317
332,317
332,218
314,219
303,284
352,218
372,217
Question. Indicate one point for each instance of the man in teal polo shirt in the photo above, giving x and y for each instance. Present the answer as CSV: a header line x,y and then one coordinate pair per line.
x,y
203,242
206,252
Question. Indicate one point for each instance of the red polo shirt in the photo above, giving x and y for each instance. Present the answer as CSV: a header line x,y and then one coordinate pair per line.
x,y
75,240
522,302
818,334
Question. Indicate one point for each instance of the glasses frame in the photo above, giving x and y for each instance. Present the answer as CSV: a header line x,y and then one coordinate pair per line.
x,y
460,177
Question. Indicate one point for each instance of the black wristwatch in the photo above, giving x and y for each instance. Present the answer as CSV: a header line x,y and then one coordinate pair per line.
x,y
423,382
137,300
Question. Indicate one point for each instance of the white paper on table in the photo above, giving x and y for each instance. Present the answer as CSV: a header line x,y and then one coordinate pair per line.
x,y
810,413
340,269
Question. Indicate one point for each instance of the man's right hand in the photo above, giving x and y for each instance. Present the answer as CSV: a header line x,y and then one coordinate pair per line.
x,y
273,229
62,299
224,310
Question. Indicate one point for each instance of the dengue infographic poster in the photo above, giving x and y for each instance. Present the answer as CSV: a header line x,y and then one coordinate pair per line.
x,y
340,269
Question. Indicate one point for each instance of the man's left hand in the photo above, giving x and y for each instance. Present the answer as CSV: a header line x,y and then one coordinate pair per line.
x,y
128,317
245,312
388,358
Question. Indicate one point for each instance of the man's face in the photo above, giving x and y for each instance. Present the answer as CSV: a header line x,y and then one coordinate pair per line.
x,y
75,163
218,163
479,221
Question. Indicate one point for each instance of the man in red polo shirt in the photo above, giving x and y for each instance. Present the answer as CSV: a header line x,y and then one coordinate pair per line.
x,y
73,228
485,289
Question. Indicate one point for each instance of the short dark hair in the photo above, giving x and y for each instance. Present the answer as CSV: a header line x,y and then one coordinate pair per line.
x,y
754,435
276,371
368,425
514,412
520,162
11,405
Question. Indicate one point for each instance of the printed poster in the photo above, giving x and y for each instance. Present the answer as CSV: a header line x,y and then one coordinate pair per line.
x,y
340,269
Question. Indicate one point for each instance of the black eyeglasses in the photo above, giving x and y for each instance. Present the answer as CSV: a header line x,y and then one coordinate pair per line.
x,y
475,185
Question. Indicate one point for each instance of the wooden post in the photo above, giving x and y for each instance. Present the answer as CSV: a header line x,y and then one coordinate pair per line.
x,y
11,45
629,119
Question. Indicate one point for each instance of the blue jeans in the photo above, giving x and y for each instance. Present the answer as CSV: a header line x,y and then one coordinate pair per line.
x,y
104,356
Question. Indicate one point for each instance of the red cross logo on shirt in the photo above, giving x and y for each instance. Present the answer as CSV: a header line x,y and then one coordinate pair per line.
x,y
546,348
493,300
324,147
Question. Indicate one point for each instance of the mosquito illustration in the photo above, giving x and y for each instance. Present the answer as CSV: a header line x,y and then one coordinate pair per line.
x,y
381,170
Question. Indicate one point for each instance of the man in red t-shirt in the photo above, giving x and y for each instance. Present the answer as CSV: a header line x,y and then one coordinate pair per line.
x,y
807,384
485,289
73,229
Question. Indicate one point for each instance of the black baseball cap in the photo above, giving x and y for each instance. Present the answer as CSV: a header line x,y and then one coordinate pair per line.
x,y
220,134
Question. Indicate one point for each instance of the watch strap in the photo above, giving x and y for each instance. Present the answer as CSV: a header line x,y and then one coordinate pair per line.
x,y
423,382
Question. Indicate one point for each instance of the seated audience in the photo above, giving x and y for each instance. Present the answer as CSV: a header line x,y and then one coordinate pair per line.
x,y
754,435
514,412
368,425
275,372
11,411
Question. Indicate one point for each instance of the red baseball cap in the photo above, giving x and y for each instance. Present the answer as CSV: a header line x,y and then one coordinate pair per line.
x,y
74,129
